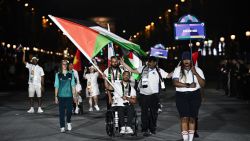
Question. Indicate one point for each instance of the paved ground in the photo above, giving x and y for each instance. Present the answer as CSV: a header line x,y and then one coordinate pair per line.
x,y
221,118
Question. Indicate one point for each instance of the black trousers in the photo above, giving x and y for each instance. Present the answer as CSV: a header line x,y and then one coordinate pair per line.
x,y
149,111
125,110
65,103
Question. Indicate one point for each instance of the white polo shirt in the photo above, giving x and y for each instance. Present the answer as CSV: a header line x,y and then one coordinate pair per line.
x,y
118,94
35,74
153,80
188,78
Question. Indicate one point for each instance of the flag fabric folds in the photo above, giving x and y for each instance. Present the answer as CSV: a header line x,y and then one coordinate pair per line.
x,y
88,41
90,38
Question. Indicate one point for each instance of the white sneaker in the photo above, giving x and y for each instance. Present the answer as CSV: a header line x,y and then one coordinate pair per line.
x,y
129,130
97,108
31,110
123,130
62,130
159,110
90,109
39,110
69,126
77,110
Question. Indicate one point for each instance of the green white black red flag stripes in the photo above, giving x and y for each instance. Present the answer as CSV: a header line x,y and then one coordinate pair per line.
x,y
118,40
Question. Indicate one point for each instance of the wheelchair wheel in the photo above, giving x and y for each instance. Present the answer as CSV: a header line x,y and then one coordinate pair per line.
x,y
135,124
110,128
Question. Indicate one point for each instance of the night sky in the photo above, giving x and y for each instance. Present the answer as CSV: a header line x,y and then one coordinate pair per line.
x,y
222,17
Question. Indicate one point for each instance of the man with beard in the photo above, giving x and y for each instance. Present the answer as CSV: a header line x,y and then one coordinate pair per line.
x,y
114,74
149,86
123,101
36,82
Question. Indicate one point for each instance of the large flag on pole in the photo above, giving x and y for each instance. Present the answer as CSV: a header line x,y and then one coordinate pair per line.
x,y
88,41
77,64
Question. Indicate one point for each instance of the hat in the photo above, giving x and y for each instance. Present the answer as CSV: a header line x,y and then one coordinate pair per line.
x,y
186,55
34,58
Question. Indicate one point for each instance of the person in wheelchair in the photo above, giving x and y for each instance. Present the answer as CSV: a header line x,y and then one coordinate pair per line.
x,y
124,98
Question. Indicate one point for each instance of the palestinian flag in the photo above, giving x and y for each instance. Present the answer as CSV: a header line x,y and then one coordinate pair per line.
x,y
119,40
77,64
134,62
90,38
88,41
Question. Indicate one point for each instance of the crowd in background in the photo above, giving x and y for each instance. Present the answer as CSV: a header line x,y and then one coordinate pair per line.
x,y
234,78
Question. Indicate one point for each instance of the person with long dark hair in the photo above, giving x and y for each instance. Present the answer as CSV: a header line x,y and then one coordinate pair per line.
x,y
188,80
64,93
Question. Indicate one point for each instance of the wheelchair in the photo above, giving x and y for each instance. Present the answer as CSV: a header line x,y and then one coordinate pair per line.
x,y
113,126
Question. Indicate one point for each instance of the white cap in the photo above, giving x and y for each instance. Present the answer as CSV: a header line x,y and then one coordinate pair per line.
x,y
34,58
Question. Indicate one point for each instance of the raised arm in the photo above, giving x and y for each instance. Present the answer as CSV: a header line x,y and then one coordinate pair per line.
x,y
24,57
128,67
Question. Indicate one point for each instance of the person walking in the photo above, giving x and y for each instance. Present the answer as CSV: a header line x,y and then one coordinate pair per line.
x,y
64,93
149,87
188,80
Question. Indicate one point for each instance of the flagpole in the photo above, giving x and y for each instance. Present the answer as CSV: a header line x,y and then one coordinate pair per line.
x,y
191,50
110,44
97,68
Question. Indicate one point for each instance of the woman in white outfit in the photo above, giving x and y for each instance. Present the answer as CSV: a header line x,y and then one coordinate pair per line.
x,y
92,89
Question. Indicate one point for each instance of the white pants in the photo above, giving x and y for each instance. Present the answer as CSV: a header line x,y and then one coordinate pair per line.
x,y
34,89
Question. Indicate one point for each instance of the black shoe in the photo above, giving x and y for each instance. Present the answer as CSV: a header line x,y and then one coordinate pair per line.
x,y
146,134
196,135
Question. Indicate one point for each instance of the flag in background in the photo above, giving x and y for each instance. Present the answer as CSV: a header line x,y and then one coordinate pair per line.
x,y
77,64
134,62
123,43
195,56
111,51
